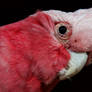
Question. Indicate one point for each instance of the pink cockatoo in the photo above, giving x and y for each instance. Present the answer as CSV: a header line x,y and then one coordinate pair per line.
x,y
39,51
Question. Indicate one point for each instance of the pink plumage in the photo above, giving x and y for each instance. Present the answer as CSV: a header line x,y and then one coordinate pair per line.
x,y
30,56
44,48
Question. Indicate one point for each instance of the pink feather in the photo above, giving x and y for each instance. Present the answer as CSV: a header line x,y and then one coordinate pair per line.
x,y
30,56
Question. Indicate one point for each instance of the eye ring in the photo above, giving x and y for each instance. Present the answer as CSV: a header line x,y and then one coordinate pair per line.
x,y
63,30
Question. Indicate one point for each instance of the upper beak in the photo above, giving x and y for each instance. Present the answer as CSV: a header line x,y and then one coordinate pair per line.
x,y
75,65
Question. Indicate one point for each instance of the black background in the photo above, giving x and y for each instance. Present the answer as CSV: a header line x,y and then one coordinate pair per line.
x,y
12,11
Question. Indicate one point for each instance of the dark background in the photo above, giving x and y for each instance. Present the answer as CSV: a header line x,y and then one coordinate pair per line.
x,y
12,11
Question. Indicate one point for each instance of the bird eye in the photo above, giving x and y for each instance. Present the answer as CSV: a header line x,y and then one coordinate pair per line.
x,y
63,30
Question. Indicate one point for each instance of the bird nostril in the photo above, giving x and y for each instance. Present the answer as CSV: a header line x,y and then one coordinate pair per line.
x,y
75,41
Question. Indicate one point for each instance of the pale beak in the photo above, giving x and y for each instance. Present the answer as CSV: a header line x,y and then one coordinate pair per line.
x,y
75,65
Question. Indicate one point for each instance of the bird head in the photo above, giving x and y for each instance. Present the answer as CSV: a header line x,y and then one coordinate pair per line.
x,y
46,46
74,31
66,36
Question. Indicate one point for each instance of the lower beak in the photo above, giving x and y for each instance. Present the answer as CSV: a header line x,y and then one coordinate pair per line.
x,y
75,65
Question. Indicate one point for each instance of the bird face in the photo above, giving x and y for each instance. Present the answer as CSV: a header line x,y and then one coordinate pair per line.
x,y
73,30
78,60
44,47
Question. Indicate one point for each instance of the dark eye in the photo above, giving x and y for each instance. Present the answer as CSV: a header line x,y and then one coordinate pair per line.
x,y
62,29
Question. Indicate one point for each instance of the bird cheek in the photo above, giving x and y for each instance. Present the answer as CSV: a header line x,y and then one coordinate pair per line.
x,y
75,45
79,45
